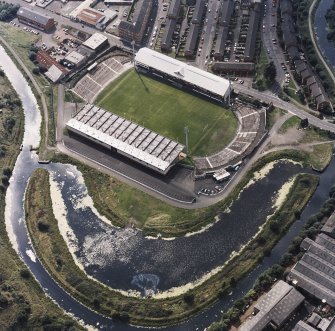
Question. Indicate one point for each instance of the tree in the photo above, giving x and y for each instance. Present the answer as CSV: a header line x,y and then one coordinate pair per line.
x,y
270,72
32,56
36,70
304,123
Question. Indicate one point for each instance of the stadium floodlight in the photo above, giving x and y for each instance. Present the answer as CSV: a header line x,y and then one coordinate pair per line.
x,y
186,138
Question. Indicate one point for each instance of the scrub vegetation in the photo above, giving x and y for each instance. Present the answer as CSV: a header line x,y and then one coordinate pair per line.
x,y
23,305
52,249
167,110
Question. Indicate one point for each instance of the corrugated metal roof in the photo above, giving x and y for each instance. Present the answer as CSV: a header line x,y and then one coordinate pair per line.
x,y
126,136
181,70
33,15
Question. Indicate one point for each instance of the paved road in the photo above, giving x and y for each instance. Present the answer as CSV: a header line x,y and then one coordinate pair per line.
x,y
291,108
62,20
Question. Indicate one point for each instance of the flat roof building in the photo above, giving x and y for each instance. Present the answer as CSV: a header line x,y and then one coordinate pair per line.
x,y
75,58
126,138
31,17
167,68
275,308
96,42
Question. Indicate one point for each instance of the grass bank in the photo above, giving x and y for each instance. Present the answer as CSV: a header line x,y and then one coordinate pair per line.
x,y
167,110
23,304
51,247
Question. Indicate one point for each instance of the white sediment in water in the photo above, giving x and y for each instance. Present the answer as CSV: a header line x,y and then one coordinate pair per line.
x,y
60,213
31,255
283,192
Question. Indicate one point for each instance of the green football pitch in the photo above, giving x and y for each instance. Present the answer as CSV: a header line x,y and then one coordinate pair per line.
x,y
167,110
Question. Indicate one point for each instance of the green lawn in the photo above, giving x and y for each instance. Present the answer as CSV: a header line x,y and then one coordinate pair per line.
x,y
167,110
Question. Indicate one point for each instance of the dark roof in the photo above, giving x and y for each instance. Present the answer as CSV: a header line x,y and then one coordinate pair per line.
x,y
168,33
275,307
250,44
142,8
302,326
315,90
226,11
33,16
231,66
293,52
199,11
174,9
329,227
300,66
310,81
286,7
289,34
221,40
306,73
192,37
320,99
315,272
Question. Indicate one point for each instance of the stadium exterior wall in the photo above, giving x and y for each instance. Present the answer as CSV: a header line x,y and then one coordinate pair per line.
x,y
113,150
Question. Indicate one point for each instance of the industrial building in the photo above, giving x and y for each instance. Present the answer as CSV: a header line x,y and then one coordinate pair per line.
x,y
34,19
134,31
96,42
127,138
274,309
94,18
314,273
181,74
75,58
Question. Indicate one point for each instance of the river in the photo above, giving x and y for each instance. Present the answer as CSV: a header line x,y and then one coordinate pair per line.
x,y
320,27
143,257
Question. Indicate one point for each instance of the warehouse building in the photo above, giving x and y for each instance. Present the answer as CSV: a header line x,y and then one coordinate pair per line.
x,y
75,58
182,75
127,138
34,19
274,309
135,30
314,273
96,42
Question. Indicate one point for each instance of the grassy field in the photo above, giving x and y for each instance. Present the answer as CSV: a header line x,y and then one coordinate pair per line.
x,y
51,247
168,110
21,41
23,305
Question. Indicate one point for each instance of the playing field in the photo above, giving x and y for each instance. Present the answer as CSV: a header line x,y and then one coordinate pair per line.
x,y
167,110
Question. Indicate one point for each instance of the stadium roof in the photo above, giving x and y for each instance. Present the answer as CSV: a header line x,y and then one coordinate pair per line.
x,y
181,70
33,15
137,142
95,41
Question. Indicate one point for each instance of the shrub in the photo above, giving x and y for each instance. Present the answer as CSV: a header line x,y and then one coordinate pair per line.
x,y
189,298
25,273
43,227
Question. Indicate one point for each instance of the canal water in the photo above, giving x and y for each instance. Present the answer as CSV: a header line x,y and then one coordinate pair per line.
x,y
142,262
320,28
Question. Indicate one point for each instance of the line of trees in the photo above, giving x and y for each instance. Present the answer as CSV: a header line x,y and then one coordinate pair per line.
x,y
8,11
